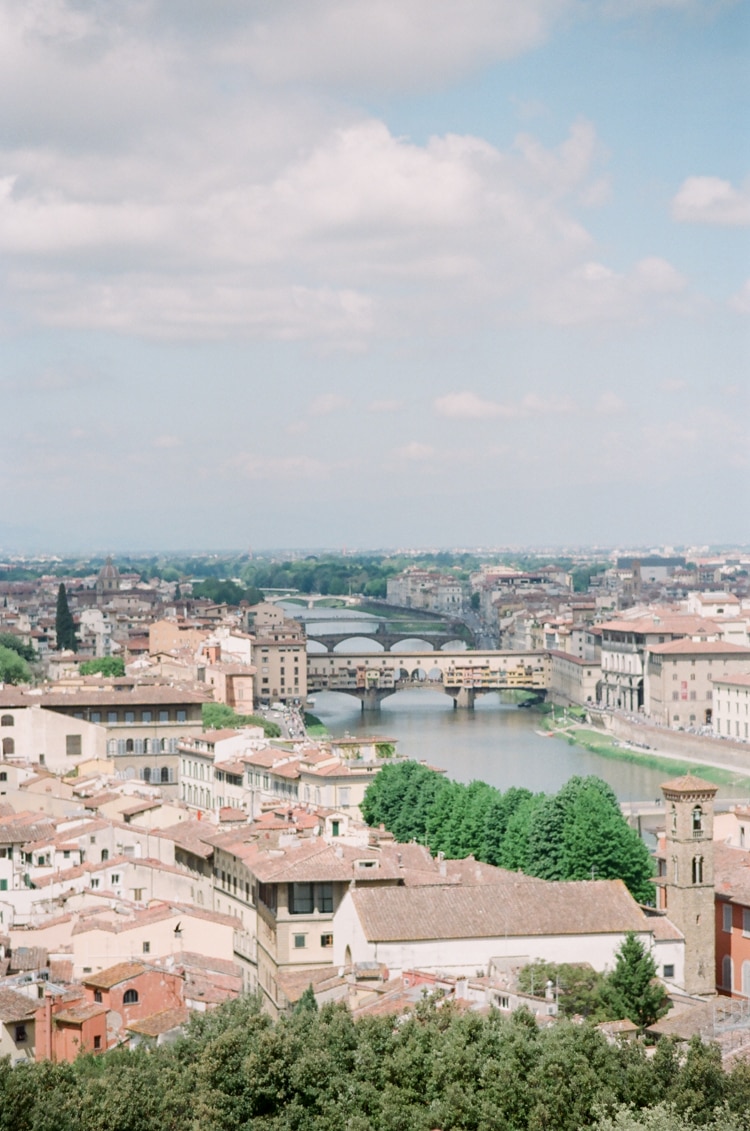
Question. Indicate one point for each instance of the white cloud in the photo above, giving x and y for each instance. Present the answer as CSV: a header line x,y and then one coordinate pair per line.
x,y
391,44
468,406
610,404
741,301
711,200
167,441
328,403
415,452
285,468
596,293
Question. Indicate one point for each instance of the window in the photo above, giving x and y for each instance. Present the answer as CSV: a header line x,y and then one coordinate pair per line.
x,y
325,897
181,716
9,746
267,895
98,996
163,716
130,716
675,695
746,922
146,716
137,894
3,885
727,973
95,883
97,1043
115,879
335,825
6,721
669,971
300,899
73,745
726,918
326,941
3,776
20,1034
300,942
105,854
111,716
697,817
130,997
147,948
95,717
697,869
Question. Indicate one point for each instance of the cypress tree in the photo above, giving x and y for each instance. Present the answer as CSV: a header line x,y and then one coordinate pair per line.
x,y
64,624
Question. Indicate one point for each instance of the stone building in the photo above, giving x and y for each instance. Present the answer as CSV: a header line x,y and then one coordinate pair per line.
x,y
687,886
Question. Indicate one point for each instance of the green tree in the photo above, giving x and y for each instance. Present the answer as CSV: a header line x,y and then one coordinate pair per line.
x,y
64,623
499,812
634,989
218,715
13,668
105,665
25,651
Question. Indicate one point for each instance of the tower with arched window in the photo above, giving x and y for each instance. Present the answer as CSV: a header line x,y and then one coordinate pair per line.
x,y
689,881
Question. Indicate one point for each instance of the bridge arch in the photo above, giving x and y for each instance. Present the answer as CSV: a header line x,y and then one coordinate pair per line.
x,y
454,646
316,648
355,645
412,644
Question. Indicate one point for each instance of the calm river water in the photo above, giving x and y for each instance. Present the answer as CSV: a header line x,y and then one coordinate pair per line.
x,y
496,742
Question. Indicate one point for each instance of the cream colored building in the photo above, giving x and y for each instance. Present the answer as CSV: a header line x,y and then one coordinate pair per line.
x,y
32,733
731,703
573,680
681,678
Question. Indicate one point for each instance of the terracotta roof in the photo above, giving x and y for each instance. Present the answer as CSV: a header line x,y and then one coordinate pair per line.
x,y
77,1014
688,647
15,1006
689,783
159,1023
736,679
395,914
113,975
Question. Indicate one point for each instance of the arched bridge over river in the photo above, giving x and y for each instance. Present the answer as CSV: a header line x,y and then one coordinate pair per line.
x,y
463,675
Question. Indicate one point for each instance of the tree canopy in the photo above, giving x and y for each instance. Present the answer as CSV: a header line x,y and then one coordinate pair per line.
x,y
577,833
25,651
13,668
320,1070
64,624
219,715
105,665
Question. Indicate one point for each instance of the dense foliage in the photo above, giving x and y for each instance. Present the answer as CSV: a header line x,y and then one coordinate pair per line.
x,y
631,990
25,651
64,625
105,665
574,834
322,1071
216,716
13,668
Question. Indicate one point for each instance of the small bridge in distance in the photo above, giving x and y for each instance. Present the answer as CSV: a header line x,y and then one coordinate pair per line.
x,y
463,675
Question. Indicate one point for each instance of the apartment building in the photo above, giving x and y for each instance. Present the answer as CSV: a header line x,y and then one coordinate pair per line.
x,y
731,704
681,678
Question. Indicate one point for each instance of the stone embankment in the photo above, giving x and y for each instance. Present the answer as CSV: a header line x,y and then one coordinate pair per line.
x,y
693,747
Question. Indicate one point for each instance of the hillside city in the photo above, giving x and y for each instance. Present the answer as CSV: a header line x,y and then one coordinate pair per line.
x,y
178,830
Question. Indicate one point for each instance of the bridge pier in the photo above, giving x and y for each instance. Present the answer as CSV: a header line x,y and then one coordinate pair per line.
x,y
372,697
464,699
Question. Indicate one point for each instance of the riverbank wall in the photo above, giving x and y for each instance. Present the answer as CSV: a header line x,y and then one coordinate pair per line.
x,y
694,746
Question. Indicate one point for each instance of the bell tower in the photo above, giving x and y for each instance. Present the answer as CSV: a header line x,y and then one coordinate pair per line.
x,y
689,887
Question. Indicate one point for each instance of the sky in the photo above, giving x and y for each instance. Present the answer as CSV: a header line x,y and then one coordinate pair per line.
x,y
373,273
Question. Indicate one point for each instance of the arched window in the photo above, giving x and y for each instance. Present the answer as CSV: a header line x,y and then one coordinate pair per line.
x,y
147,773
163,745
697,819
746,978
6,721
105,854
697,869
9,746
727,973
129,746
147,746
111,745
130,997
164,774
674,819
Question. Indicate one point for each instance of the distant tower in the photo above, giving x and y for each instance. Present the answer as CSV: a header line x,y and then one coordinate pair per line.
x,y
108,581
689,887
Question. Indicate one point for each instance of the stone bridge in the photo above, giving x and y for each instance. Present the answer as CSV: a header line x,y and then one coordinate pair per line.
x,y
462,675
385,638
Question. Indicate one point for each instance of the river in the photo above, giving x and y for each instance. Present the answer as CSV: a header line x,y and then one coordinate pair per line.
x,y
496,742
